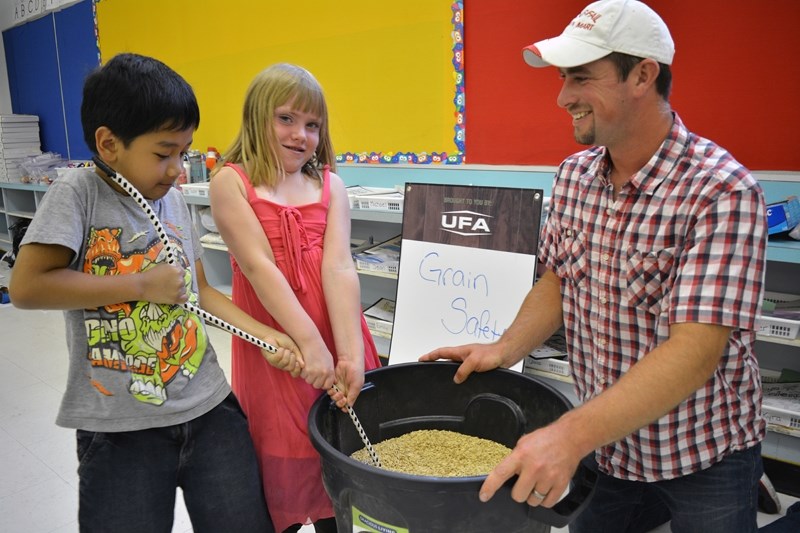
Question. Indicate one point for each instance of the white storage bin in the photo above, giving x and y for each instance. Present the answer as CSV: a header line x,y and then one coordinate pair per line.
x,y
391,202
359,190
776,326
195,189
782,420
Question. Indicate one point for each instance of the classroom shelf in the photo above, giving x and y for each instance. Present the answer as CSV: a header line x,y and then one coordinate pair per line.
x,y
376,216
218,247
19,200
196,200
785,250
376,274
779,340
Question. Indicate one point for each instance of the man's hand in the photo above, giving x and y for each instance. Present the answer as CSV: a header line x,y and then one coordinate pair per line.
x,y
473,358
544,460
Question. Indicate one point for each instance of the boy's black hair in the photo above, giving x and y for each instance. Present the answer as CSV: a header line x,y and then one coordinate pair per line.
x,y
133,95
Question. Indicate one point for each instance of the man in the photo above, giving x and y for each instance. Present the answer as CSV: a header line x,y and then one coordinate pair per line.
x,y
654,250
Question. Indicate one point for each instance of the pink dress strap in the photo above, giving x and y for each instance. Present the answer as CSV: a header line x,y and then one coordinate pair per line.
x,y
251,192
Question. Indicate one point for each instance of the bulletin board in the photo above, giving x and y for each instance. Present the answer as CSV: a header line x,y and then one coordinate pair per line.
x,y
388,69
467,261
47,60
734,79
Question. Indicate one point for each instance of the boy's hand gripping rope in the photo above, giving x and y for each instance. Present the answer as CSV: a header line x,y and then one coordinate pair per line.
x,y
171,259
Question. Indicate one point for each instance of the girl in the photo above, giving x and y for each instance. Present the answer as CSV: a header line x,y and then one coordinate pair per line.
x,y
286,220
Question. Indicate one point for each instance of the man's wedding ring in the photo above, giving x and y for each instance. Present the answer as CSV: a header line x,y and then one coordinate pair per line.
x,y
539,495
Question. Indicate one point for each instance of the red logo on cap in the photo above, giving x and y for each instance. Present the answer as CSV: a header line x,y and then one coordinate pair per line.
x,y
588,13
594,15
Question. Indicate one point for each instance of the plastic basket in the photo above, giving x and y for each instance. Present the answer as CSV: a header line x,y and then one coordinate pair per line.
x,y
782,420
195,189
392,202
358,190
553,366
774,326
369,266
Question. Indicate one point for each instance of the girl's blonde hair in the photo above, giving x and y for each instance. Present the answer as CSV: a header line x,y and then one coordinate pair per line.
x,y
255,146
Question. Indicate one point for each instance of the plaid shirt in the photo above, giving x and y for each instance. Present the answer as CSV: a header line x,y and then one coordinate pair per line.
x,y
684,241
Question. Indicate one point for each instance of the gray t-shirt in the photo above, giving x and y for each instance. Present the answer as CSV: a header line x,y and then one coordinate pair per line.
x,y
133,365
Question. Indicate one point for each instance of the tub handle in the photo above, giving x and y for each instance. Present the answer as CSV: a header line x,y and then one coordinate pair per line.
x,y
580,492
494,417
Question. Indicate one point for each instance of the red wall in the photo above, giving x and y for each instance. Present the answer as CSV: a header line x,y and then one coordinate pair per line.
x,y
736,79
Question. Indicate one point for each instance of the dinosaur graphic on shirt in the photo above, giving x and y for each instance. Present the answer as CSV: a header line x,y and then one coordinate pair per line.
x,y
152,342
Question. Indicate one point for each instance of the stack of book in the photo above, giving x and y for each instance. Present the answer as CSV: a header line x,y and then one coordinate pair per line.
x,y
19,138
781,405
380,318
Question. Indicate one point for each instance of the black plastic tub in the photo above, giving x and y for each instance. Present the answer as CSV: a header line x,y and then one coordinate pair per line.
x,y
500,405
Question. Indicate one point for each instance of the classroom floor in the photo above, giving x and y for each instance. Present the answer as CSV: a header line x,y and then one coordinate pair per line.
x,y
38,485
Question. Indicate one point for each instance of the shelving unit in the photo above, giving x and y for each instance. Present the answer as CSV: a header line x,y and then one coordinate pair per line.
x,y
366,224
776,353
19,201
378,226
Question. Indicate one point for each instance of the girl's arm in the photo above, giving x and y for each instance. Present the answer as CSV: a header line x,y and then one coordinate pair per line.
x,y
343,293
245,238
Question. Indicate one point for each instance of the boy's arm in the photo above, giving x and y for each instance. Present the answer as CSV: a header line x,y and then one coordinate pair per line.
x,y
41,279
219,305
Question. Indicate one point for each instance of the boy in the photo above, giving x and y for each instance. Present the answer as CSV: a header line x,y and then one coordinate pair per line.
x,y
151,406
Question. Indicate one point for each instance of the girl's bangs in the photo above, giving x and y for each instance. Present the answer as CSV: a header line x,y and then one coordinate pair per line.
x,y
309,99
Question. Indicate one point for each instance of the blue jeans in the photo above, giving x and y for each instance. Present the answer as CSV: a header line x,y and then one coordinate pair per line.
x,y
720,499
128,480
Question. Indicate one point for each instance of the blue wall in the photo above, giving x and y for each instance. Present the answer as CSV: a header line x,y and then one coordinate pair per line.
x,y
47,60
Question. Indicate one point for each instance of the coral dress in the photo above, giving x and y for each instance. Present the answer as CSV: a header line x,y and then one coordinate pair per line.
x,y
276,404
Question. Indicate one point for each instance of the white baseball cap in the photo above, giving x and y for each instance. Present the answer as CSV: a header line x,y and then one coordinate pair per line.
x,y
626,26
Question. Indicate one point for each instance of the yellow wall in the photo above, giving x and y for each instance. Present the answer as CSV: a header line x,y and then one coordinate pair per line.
x,y
386,67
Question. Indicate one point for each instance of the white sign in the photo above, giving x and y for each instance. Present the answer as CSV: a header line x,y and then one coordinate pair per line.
x,y
467,261
457,295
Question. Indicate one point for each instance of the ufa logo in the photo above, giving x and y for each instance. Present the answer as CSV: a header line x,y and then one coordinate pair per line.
x,y
466,223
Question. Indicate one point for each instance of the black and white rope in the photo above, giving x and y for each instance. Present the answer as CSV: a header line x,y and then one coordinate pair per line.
x,y
218,322
172,257
361,433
